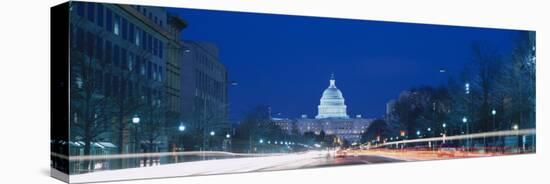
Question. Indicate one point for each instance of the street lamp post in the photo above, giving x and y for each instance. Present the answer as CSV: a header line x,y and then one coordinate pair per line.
x,y
444,125
212,134
261,141
516,128
181,128
429,129
494,113
228,142
465,121
135,121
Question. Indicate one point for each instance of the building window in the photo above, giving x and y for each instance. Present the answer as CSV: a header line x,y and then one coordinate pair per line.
x,y
161,48
79,39
143,40
122,86
123,58
99,47
91,11
130,31
130,88
115,85
100,15
124,29
108,51
79,8
149,42
116,27
155,72
99,79
107,84
116,55
160,74
109,19
155,44
131,59
79,82
149,70
142,67
136,39
90,38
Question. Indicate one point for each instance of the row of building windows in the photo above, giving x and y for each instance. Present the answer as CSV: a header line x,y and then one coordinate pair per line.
x,y
202,59
104,50
209,86
111,84
149,15
120,26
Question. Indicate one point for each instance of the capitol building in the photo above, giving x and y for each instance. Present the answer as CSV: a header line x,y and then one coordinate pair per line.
x,y
332,117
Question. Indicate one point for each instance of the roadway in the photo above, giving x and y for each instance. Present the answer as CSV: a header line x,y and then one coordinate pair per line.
x,y
310,159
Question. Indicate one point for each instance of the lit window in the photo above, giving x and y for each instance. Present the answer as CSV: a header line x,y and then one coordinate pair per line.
x,y
79,82
130,62
136,39
116,28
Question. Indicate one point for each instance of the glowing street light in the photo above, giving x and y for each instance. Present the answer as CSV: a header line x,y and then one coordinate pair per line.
x,y
493,112
429,129
212,133
444,125
227,136
418,132
181,128
135,119
464,119
515,127
261,141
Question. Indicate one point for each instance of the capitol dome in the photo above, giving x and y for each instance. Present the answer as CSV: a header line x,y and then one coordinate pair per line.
x,y
332,103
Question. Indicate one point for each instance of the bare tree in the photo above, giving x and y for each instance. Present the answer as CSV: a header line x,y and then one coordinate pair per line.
x,y
89,103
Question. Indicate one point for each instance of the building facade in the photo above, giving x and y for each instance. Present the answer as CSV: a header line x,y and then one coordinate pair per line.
x,y
120,59
204,84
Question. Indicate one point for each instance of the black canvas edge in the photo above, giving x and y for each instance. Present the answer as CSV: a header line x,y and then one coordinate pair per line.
x,y
59,91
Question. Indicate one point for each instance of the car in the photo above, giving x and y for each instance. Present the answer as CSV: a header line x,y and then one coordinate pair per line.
x,y
447,149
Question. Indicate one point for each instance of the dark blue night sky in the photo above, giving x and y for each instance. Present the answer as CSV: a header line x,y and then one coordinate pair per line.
x,y
286,61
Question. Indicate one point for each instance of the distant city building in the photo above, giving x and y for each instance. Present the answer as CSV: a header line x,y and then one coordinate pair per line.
x,y
285,124
204,87
332,118
390,109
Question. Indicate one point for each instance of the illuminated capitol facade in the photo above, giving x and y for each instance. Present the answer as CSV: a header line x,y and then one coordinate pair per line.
x,y
332,117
